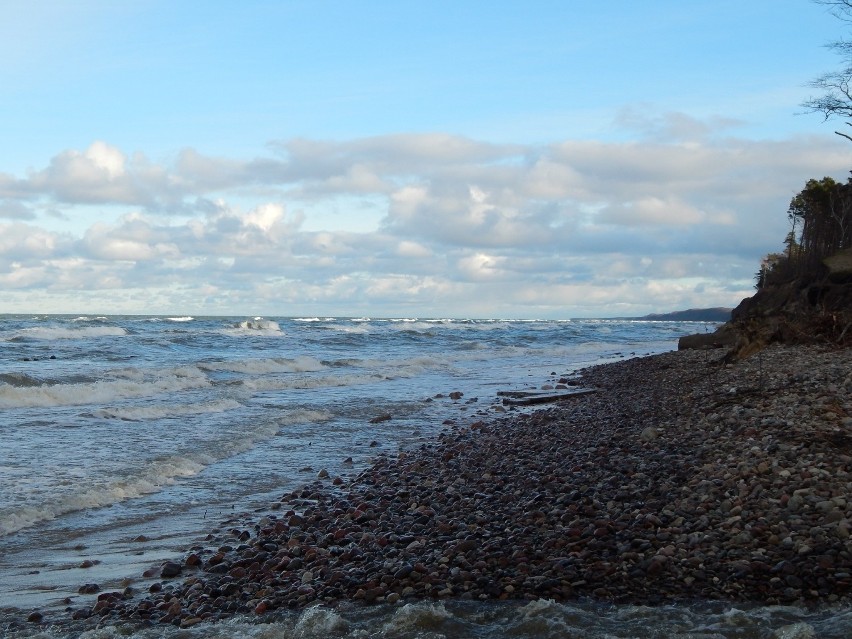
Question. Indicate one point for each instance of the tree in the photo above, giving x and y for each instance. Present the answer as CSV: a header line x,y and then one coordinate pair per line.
x,y
823,211
836,99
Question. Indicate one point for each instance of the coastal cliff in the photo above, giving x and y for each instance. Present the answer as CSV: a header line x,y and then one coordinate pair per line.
x,y
805,310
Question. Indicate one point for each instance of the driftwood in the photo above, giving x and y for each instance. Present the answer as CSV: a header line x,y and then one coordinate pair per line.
x,y
530,398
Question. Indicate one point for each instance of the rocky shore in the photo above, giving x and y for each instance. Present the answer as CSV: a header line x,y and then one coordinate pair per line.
x,y
681,478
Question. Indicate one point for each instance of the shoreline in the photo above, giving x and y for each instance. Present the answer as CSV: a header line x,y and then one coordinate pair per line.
x,y
680,479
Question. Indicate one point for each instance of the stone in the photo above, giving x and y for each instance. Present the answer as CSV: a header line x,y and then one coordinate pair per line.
x,y
649,434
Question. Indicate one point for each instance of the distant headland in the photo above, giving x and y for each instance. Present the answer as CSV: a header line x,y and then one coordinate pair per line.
x,y
717,314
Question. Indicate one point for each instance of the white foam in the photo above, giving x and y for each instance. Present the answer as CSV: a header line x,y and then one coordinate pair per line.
x,y
305,416
131,383
186,318
352,330
267,365
799,630
255,327
417,617
319,622
276,383
141,413
539,607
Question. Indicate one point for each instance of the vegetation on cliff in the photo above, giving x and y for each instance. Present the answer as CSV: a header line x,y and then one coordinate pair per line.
x,y
820,217
804,293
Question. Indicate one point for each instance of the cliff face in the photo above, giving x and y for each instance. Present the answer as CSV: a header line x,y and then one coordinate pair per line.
x,y
794,313
801,311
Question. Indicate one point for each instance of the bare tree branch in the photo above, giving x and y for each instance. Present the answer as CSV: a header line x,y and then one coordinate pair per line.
x,y
836,86
841,9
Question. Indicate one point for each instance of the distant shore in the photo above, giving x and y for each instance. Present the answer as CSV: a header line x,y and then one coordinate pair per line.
x,y
679,479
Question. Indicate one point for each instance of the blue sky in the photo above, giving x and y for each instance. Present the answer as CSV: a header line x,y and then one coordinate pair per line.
x,y
501,159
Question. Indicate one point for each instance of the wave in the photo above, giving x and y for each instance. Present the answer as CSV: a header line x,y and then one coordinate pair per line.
x,y
156,475
264,384
376,371
304,416
151,478
131,383
186,318
303,364
141,413
48,333
256,326
540,619
349,330
431,325
20,380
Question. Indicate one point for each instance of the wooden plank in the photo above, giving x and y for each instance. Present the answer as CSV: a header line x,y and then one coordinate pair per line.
x,y
525,398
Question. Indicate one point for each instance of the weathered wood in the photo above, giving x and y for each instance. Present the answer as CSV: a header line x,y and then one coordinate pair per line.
x,y
527,398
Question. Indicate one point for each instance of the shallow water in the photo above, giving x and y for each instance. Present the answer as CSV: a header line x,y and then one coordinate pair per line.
x,y
533,620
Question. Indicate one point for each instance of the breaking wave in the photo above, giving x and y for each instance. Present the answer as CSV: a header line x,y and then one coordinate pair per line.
x,y
131,383
265,366
150,478
141,413
48,333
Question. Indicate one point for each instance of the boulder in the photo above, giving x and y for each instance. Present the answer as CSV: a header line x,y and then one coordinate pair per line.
x,y
170,569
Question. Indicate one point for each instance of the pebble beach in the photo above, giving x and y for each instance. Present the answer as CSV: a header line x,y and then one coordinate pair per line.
x,y
681,478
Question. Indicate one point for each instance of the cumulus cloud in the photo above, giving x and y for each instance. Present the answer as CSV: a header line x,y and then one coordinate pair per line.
x,y
570,228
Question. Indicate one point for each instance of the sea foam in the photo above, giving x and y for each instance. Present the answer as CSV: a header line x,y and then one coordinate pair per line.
x,y
141,413
266,365
130,383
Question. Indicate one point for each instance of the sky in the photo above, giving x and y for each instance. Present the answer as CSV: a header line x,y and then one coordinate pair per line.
x,y
536,159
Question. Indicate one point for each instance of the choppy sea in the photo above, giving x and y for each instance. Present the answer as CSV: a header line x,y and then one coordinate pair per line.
x,y
125,439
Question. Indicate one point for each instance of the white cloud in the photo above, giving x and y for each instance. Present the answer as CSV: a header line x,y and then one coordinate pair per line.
x,y
265,216
653,211
467,227
407,248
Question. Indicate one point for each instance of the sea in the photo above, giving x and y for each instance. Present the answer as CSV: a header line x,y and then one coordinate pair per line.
x,y
125,439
